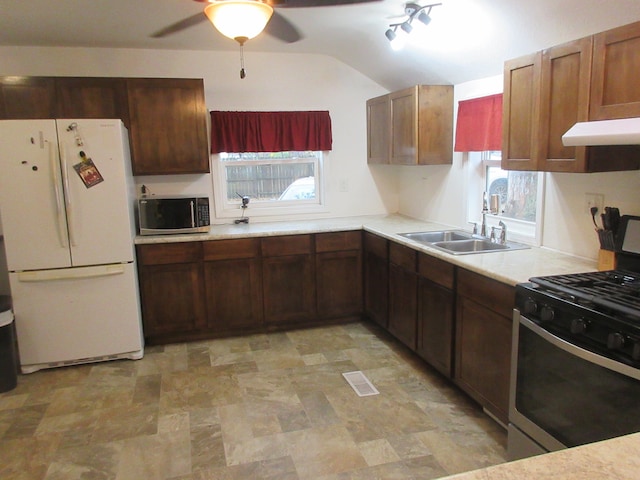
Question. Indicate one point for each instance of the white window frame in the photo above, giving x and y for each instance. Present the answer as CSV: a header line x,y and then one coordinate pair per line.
x,y
517,230
226,208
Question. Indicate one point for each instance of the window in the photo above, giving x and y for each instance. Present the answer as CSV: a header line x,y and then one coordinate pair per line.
x,y
519,193
276,182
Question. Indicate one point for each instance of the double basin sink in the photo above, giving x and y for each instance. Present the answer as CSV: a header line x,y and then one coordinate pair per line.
x,y
459,242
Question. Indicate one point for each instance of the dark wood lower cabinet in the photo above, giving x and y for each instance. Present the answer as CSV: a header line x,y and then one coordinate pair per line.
x,y
436,307
233,285
403,294
483,340
288,280
171,289
339,274
376,278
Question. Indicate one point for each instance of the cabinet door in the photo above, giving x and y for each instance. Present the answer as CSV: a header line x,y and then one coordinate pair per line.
x,y
376,278
289,289
171,289
483,352
566,71
484,311
404,126
288,279
168,126
27,98
521,100
616,70
435,312
435,124
378,132
172,298
88,97
233,290
403,294
339,283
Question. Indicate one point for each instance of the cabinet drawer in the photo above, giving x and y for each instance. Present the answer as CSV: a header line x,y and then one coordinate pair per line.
x,y
402,256
167,253
436,270
376,245
337,241
287,245
490,293
231,249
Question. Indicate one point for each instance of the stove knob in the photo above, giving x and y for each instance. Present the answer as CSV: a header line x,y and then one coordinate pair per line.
x,y
578,325
615,341
546,313
530,306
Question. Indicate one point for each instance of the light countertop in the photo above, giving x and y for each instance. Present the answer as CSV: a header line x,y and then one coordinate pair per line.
x,y
610,459
509,267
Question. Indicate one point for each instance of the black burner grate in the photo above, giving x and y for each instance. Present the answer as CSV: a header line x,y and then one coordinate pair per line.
x,y
616,290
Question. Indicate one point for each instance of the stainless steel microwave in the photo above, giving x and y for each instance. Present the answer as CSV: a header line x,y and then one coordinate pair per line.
x,y
159,215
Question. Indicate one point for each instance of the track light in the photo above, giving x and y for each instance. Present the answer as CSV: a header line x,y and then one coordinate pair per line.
x,y
413,11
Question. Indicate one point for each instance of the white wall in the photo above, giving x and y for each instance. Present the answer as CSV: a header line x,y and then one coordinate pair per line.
x,y
440,193
273,82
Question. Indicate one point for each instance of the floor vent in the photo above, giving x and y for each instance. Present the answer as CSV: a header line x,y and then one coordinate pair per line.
x,y
360,384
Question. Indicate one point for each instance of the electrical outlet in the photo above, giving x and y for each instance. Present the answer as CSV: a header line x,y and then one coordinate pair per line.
x,y
343,185
594,200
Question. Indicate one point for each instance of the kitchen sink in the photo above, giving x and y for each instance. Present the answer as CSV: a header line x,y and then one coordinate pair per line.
x,y
442,236
458,242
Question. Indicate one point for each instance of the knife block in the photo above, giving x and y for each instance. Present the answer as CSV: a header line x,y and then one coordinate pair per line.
x,y
607,260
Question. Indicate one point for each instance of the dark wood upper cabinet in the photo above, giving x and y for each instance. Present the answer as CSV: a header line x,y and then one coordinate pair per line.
x,y
87,97
546,93
616,70
168,126
27,98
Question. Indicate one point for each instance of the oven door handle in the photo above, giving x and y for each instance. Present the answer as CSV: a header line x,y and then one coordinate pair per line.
x,y
604,362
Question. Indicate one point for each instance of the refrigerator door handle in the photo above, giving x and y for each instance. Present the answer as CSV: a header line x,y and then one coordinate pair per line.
x,y
71,273
55,179
67,196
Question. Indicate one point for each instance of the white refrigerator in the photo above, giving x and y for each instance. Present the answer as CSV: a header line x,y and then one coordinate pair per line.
x,y
67,210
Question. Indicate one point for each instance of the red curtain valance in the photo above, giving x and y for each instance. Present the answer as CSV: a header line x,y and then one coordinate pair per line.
x,y
239,132
479,124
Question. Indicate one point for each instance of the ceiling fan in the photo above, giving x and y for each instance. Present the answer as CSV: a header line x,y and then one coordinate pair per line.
x,y
277,26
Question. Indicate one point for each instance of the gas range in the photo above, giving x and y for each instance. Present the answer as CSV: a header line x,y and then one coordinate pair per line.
x,y
598,311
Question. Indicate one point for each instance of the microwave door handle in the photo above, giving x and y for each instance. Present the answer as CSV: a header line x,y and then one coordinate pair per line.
x,y
67,196
193,216
55,180
594,358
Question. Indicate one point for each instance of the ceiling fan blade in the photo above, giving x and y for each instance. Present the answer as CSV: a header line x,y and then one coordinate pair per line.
x,y
282,29
315,3
180,25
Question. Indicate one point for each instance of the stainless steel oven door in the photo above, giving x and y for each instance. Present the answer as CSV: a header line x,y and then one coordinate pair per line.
x,y
562,395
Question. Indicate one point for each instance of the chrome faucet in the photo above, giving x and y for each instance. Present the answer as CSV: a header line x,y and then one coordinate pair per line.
x,y
485,210
503,232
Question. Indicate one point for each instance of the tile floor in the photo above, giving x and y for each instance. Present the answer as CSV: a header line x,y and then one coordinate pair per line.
x,y
269,406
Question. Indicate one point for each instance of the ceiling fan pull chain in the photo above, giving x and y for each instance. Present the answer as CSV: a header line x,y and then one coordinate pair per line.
x,y
242,72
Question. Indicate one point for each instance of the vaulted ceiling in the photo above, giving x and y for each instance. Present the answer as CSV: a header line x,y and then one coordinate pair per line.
x,y
466,39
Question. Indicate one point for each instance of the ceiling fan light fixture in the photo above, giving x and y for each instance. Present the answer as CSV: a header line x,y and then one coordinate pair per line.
x,y
239,20
390,34
406,26
424,18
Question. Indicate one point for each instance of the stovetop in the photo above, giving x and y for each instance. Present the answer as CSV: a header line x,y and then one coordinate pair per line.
x,y
614,291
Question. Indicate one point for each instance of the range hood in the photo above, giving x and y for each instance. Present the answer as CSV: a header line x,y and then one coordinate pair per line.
x,y
625,131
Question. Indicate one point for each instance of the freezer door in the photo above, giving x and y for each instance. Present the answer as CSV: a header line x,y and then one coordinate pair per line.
x,y
31,197
76,314
95,161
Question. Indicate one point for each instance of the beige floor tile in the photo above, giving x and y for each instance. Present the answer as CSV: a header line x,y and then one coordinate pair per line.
x,y
265,407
